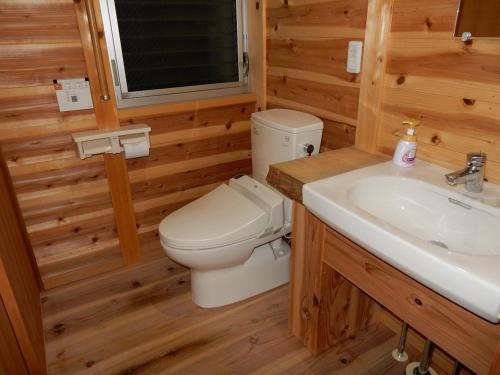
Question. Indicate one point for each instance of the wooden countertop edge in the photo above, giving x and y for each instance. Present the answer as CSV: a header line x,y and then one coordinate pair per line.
x,y
285,183
289,177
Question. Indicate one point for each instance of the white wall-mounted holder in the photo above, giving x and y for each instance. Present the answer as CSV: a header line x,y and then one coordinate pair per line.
x,y
354,57
133,140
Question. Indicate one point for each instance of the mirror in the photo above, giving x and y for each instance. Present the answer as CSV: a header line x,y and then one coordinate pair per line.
x,y
481,18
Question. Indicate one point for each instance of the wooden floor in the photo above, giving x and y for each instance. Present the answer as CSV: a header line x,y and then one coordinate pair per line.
x,y
142,321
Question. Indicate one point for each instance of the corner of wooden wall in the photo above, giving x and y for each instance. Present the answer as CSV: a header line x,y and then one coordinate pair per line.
x,y
378,26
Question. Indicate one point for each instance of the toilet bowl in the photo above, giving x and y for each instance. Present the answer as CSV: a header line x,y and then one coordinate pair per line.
x,y
231,238
220,236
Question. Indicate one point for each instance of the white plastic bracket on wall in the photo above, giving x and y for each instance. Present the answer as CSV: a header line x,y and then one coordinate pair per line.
x,y
95,142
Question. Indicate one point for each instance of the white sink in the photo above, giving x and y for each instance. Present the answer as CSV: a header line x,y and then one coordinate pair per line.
x,y
444,237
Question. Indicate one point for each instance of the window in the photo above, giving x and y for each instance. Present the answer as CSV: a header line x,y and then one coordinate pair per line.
x,y
175,50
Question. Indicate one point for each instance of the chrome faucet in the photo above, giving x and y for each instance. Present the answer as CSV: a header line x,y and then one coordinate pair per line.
x,y
472,175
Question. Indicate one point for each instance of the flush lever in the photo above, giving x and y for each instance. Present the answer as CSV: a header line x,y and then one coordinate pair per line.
x,y
309,149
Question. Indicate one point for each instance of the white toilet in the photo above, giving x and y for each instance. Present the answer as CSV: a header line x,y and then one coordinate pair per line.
x,y
231,237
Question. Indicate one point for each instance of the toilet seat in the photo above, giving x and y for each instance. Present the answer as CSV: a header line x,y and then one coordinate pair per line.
x,y
220,218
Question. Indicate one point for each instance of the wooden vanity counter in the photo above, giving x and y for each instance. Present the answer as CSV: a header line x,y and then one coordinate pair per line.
x,y
339,290
289,177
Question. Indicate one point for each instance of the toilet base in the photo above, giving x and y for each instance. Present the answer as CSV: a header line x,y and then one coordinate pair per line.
x,y
268,267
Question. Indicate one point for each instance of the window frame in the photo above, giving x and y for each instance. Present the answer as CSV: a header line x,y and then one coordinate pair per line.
x,y
126,99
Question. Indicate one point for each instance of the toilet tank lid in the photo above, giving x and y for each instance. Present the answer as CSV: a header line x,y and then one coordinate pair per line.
x,y
288,120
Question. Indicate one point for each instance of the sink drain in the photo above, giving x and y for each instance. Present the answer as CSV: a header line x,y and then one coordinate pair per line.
x,y
438,243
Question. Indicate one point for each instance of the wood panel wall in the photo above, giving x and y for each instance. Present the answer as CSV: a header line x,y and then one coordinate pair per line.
x,y
66,201
451,87
307,44
11,358
19,281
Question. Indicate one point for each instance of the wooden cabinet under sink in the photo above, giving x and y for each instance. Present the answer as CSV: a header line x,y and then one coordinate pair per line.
x,y
338,289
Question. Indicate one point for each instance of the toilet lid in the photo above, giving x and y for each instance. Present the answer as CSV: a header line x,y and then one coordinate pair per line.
x,y
221,217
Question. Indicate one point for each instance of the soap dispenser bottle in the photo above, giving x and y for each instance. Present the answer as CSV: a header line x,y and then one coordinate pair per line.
x,y
406,150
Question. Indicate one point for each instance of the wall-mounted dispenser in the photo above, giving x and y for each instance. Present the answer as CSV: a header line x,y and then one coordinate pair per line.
x,y
133,140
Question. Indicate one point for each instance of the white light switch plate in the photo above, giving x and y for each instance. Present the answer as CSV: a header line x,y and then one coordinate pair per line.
x,y
73,94
354,55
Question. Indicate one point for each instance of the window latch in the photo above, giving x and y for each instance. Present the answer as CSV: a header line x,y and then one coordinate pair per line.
x,y
116,76
246,64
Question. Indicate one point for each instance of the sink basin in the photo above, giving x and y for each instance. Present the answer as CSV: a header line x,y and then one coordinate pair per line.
x,y
428,213
444,237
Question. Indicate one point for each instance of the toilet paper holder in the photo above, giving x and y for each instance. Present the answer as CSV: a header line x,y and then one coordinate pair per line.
x,y
131,139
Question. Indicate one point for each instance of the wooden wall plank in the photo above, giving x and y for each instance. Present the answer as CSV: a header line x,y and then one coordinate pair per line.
x,y
373,72
19,284
340,100
424,16
107,118
11,358
256,18
307,55
33,21
40,41
452,88
337,135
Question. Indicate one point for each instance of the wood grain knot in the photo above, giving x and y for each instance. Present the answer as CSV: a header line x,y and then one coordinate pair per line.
x,y
228,125
285,3
136,284
89,364
344,361
401,80
315,301
417,301
58,329
369,268
257,5
468,101
306,315
435,139
428,23
253,340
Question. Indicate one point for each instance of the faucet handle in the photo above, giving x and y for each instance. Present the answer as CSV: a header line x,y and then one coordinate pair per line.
x,y
477,159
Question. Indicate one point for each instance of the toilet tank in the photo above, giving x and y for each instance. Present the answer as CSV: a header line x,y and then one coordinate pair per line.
x,y
280,135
